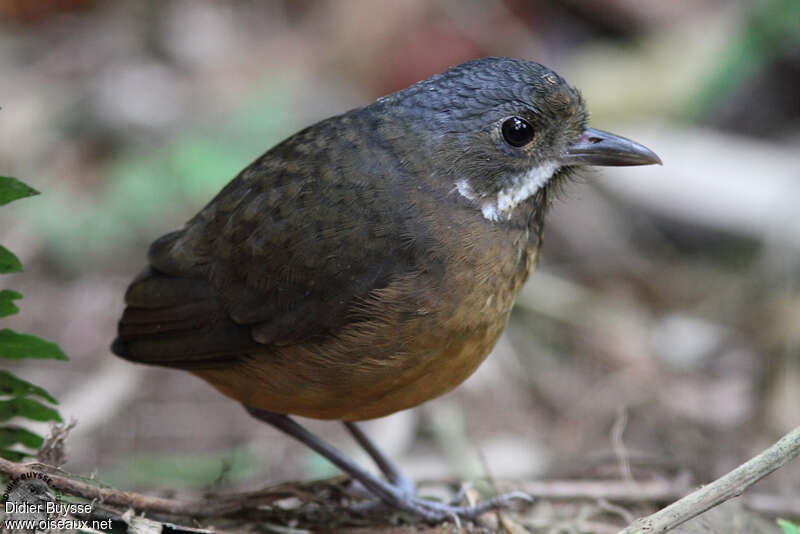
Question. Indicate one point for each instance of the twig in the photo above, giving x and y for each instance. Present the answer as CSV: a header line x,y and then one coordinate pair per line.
x,y
722,489
620,451
246,503
615,509
52,450
656,490
220,506
653,491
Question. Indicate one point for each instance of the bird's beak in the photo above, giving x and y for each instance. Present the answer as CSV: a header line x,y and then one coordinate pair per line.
x,y
596,147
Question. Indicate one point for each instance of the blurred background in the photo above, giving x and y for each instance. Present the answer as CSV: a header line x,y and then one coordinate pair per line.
x,y
662,327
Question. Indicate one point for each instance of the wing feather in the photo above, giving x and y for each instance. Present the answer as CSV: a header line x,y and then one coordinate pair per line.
x,y
280,255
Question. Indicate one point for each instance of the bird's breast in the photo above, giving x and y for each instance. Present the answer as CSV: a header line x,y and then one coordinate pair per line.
x,y
418,337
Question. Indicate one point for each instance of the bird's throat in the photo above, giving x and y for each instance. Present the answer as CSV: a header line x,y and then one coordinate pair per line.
x,y
500,205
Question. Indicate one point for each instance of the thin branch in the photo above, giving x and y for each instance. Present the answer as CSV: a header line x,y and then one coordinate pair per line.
x,y
218,507
244,504
620,450
722,489
655,490
651,491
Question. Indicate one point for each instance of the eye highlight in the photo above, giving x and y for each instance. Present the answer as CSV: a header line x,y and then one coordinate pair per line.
x,y
517,132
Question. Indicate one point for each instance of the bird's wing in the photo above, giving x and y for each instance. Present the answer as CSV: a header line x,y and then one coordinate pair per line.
x,y
280,255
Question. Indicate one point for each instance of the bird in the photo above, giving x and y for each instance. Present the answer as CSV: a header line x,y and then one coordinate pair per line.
x,y
369,262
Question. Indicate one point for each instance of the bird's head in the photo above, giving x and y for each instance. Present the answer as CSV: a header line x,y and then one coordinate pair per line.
x,y
503,129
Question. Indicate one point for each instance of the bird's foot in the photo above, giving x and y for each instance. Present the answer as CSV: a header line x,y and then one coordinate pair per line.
x,y
401,487
436,511
404,485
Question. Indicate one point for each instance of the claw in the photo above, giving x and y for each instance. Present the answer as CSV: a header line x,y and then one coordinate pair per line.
x,y
435,511
462,493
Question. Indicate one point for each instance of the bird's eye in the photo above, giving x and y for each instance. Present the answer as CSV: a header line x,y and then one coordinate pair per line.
x,y
517,132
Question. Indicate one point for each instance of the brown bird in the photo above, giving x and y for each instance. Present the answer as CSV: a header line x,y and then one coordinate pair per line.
x,y
369,262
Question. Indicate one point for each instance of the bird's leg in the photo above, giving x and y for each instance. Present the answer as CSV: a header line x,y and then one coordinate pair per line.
x,y
429,510
287,425
387,467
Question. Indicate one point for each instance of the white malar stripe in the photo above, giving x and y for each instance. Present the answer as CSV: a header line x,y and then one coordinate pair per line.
x,y
465,190
490,211
522,187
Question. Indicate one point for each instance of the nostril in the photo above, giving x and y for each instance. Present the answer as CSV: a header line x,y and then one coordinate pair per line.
x,y
595,140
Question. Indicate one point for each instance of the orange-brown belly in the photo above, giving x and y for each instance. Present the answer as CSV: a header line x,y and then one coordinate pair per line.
x,y
303,381
426,336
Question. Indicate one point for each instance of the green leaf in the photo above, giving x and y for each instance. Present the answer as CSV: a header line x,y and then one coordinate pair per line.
x,y
16,387
788,527
7,306
14,456
8,262
12,189
11,435
28,408
18,346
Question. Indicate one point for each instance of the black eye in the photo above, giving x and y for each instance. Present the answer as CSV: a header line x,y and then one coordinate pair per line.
x,y
517,132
